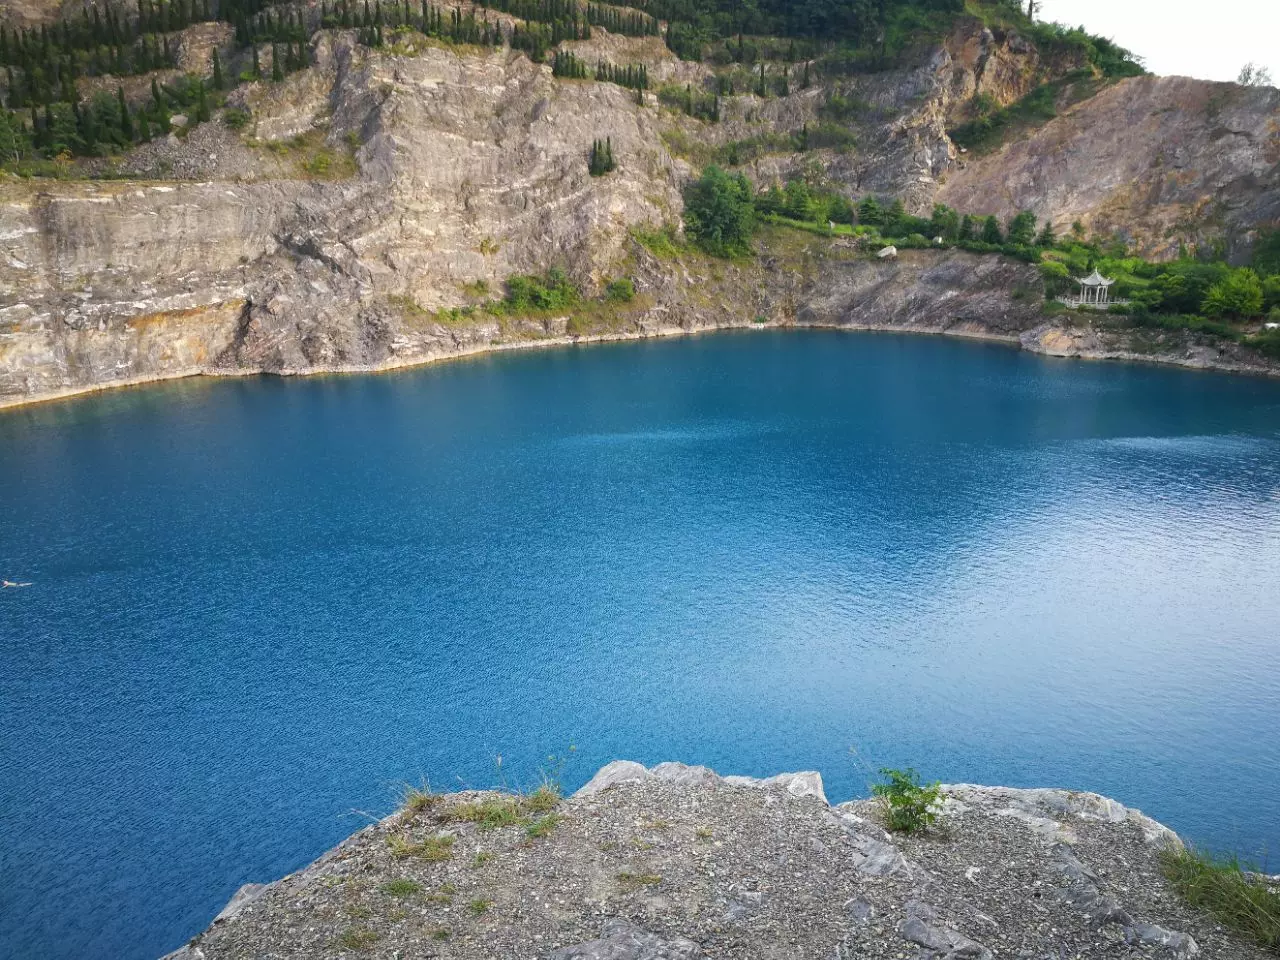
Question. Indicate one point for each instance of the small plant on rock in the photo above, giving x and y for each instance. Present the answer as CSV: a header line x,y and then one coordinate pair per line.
x,y
907,804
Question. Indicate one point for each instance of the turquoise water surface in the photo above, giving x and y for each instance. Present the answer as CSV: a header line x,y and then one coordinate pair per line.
x,y
260,605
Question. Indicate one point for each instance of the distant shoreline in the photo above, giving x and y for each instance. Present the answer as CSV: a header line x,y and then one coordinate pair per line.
x,y
1023,342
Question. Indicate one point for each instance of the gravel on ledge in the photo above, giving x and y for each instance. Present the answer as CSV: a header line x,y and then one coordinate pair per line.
x,y
676,863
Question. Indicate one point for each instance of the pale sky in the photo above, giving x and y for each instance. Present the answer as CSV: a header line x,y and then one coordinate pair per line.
x,y
1211,41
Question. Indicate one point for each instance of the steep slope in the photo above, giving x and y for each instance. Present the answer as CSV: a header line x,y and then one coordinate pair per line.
x,y
448,169
1155,160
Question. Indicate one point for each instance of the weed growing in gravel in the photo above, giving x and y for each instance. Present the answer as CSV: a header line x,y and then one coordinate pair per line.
x,y
440,933
908,806
1235,896
703,833
507,811
419,799
629,879
358,938
479,906
431,849
402,887
542,826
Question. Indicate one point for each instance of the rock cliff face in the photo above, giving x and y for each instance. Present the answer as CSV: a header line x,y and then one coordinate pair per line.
x,y
1156,160
230,254
677,862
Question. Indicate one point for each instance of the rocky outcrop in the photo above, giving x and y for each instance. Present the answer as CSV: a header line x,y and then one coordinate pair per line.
x,y
674,861
1154,160
259,253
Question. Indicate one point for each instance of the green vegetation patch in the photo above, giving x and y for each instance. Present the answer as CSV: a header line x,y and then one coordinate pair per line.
x,y
1235,896
908,806
358,938
433,849
993,126
401,887
493,813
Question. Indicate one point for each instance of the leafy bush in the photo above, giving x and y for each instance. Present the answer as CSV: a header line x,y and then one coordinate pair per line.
x,y
622,290
908,805
555,291
1239,294
235,118
719,213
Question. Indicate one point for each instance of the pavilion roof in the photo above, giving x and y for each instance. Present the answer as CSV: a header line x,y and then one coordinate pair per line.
x,y
1096,279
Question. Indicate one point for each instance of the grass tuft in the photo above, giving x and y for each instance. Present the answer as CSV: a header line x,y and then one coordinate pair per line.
x,y
515,810
432,849
629,879
1235,896
401,887
479,906
358,938
542,826
419,800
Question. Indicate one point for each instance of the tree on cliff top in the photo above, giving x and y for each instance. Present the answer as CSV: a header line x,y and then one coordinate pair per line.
x,y
719,214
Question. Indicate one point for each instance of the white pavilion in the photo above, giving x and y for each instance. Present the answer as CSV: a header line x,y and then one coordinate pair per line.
x,y
1095,291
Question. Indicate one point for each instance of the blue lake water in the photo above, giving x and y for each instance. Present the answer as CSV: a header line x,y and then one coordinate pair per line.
x,y
260,605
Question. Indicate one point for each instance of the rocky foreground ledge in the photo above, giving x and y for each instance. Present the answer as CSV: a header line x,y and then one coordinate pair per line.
x,y
675,862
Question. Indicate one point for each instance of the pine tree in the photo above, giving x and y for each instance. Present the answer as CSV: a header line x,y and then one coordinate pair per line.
x,y
257,67
991,231
1047,237
869,211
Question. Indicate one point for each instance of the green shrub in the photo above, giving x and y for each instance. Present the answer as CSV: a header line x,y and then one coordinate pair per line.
x,y
622,290
1267,343
719,214
908,805
235,118
1239,294
662,243
555,291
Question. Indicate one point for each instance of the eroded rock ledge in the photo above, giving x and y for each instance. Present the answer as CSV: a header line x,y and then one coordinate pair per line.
x,y
676,861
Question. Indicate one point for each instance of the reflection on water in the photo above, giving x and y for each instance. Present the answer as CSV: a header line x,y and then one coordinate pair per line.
x,y
259,605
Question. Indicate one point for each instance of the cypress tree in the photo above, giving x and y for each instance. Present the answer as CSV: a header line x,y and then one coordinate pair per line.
x,y
144,128
276,74
202,104
257,67
126,120
217,71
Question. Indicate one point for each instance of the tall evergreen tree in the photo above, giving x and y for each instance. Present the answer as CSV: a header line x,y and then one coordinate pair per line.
x,y
991,231
126,119
218,83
